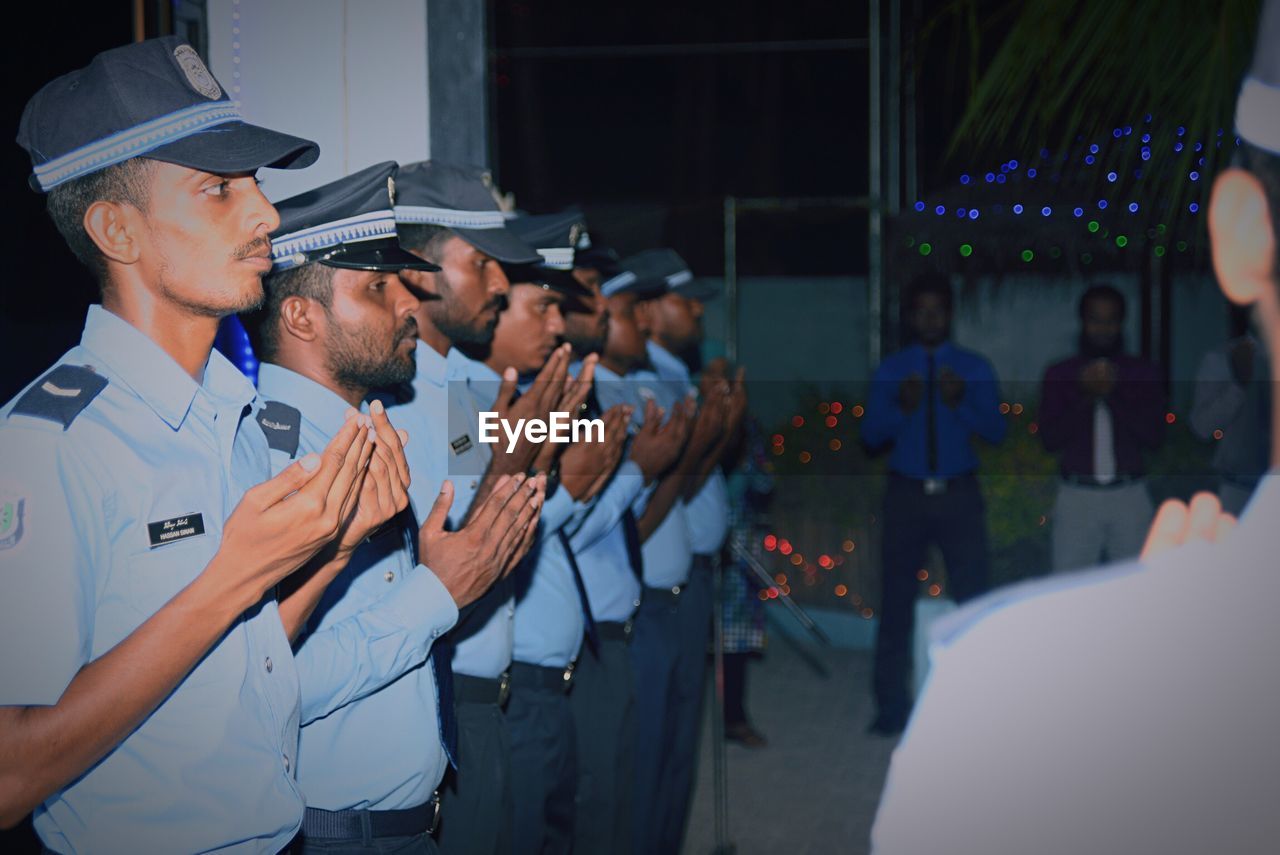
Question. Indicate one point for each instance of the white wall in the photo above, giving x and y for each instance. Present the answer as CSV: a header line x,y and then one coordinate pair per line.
x,y
349,74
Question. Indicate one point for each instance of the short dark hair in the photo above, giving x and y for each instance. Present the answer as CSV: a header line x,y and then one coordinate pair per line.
x,y
313,281
425,240
127,183
1102,291
933,282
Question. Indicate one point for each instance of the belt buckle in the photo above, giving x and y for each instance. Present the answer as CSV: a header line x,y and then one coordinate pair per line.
x,y
568,676
504,688
435,813
935,486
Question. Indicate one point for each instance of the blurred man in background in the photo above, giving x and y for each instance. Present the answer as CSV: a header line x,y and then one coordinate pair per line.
x,y
928,401
1100,411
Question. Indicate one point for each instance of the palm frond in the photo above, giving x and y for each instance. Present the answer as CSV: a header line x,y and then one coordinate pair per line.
x,y
1076,73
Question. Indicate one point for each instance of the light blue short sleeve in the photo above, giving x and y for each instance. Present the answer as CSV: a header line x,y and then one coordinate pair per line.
x,y
50,533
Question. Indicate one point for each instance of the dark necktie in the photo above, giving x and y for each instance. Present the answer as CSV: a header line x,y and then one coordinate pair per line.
x,y
931,413
441,660
593,637
631,531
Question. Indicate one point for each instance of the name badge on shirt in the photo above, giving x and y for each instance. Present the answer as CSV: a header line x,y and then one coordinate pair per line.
x,y
462,444
173,530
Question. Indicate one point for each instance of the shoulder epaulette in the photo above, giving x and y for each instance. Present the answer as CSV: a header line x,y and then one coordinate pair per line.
x,y
281,423
61,395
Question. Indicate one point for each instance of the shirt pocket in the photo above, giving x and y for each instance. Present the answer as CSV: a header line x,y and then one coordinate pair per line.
x,y
154,575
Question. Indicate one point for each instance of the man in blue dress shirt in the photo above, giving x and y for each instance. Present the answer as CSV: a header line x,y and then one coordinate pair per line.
x,y
149,700
551,610
1090,718
448,214
603,697
660,535
675,330
927,401
337,322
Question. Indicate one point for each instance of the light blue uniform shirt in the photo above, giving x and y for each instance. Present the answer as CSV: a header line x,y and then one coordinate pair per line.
x,y
708,511
548,611
668,553
600,544
212,768
441,419
370,734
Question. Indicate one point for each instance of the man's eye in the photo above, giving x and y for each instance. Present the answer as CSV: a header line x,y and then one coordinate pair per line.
x,y
377,285
220,189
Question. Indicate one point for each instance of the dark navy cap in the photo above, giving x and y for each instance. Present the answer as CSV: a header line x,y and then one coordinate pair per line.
x,y
347,223
459,198
667,267
637,274
1258,108
598,257
154,99
680,279
555,237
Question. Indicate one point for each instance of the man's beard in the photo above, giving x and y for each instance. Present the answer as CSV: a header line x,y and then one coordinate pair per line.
x,y
1109,351
354,361
450,322
586,340
213,304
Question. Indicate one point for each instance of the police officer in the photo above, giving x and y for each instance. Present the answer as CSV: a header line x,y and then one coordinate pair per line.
x,y
675,328
338,322
448,214
603,697
552,610
149,697
662,530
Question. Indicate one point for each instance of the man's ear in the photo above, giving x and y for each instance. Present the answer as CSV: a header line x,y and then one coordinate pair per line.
x,y
299,317
114,228
1242,237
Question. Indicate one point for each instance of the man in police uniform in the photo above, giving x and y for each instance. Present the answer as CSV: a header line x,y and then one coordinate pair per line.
x,y
675,329
1093,719
551,611
448,215
607,547
661,530
149,697
338,322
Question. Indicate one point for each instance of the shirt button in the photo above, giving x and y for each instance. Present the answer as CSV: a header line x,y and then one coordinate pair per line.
x,y
268,665
287,766
390,576
473,485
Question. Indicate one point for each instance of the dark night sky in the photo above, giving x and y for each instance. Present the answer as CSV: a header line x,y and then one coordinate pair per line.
x,y
650,144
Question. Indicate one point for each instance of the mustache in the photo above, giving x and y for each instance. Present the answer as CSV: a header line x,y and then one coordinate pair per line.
x,y
499,302
408,330
257,247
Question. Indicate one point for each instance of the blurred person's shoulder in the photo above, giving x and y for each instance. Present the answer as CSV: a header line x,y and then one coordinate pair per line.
x,y
1194,601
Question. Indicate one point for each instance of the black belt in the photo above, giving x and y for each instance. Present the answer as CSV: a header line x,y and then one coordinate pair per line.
x,y
526,676
481,690
351,824
664,596
1089,481
614,630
